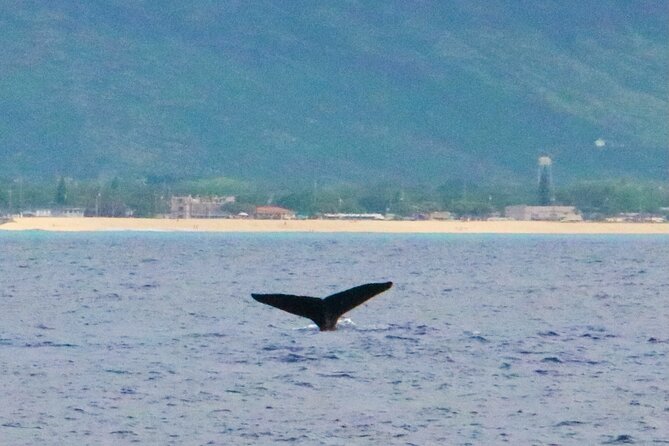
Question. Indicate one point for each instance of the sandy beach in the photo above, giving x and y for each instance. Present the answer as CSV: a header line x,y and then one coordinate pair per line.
x,y
328,226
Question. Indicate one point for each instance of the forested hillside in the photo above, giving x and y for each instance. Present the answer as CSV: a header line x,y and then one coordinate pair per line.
x,y
292,92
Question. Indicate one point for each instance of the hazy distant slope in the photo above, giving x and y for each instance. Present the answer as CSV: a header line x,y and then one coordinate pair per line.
x,y
355,90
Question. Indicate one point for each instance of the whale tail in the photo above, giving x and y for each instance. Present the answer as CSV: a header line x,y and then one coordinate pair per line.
x,y
324,312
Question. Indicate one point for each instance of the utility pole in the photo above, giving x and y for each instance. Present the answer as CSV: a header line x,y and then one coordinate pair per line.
x,y
20,180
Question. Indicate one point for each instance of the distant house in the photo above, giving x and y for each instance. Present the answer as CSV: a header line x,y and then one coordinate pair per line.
x,y
441,215
342,216
545,213
636,217
40,213
273,213
199,207
70,212
64,212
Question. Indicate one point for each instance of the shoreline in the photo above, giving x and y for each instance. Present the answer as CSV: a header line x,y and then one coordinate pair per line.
x,y
97,224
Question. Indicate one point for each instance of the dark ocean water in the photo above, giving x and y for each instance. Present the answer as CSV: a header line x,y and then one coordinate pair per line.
x,y
149,338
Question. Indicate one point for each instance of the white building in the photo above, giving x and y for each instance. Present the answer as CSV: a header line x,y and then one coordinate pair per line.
x,y
344,216
546,213
441,215
64,212
199,207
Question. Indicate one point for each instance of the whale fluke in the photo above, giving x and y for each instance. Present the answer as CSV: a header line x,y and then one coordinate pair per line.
x,y
324,312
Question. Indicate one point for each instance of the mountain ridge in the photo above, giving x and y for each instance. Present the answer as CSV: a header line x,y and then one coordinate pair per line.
x,y
292,92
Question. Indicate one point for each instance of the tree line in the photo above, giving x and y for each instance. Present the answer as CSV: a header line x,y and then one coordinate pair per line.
x,y
149,197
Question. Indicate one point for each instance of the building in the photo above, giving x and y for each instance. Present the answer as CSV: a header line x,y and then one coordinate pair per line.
x,y
345,216
273,213
199,207
547,213
636,217
70,212
60,212
441,215
38,213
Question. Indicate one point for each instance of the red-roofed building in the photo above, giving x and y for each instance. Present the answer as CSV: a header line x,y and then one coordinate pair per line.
x,y
274,213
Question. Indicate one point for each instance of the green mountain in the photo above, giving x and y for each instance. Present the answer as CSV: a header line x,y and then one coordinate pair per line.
x,y
361,91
